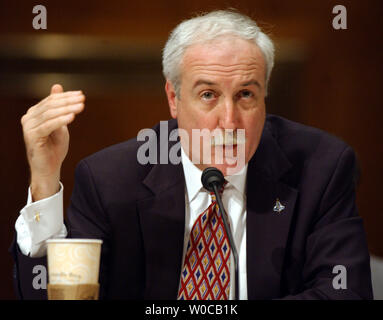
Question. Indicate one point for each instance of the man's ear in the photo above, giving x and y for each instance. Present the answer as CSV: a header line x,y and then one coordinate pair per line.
x,y
172,98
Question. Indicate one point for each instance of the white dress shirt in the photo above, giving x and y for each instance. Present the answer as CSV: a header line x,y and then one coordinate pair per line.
x,y
42,220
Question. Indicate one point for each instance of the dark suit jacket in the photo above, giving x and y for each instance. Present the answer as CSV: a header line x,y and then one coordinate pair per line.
x,y
138,211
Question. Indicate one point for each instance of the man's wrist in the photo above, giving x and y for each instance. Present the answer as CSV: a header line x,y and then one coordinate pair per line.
x,y
42,188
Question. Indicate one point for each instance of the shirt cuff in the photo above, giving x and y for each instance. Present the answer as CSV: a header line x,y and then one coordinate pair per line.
x,y
39,221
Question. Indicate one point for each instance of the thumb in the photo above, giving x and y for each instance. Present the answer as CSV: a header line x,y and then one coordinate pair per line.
x,y
57,88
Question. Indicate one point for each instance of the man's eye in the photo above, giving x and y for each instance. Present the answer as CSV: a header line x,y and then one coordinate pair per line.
x,y
245,94
207,95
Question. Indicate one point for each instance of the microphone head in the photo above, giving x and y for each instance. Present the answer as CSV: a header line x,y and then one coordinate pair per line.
x,y
211,176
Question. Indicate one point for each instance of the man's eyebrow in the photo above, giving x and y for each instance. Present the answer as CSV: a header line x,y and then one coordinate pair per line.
x,y
251,82
202,81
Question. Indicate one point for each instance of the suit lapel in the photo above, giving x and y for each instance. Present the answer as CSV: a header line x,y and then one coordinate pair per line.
x,y
267,230
162,218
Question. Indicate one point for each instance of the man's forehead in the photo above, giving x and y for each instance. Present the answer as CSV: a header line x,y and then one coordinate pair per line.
x,y
224,56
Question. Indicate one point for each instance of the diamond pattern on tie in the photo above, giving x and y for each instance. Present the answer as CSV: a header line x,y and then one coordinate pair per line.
x,y
205,274
198,275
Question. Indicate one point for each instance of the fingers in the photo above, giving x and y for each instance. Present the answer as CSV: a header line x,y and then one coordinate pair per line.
x,y
56,100
52,113
51,125
56,110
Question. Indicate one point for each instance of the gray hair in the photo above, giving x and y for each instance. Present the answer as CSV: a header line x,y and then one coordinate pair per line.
x,y
207,27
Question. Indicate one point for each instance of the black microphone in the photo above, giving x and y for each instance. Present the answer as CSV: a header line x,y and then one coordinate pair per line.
x,y
213,180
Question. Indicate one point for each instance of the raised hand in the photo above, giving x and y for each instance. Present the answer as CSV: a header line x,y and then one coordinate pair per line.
x,y
46,137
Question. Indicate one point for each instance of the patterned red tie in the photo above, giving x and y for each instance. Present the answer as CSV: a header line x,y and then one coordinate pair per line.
x,y
206,271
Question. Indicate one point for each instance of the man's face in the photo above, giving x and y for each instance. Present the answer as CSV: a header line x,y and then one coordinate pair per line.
x,y
222,87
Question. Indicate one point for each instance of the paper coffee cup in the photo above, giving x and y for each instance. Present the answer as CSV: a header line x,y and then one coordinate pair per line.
x,y
73,261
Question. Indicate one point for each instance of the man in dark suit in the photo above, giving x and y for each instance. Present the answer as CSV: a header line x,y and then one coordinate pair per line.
x,y
300,223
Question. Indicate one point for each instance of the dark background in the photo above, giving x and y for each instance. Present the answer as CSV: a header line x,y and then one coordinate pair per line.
x,y
326,78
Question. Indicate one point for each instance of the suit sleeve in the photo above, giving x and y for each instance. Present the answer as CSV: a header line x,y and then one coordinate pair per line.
x,y
337,263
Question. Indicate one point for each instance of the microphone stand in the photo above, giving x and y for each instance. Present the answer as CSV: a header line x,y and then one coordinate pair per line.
x,y
230,236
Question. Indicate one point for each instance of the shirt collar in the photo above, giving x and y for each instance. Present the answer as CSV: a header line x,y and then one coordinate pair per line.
x,y
193,178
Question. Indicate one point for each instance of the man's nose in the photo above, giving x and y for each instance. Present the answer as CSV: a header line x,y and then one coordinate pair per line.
x,y
228,115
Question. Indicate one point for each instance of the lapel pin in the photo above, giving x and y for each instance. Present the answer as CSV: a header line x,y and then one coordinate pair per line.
x,y
279,207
